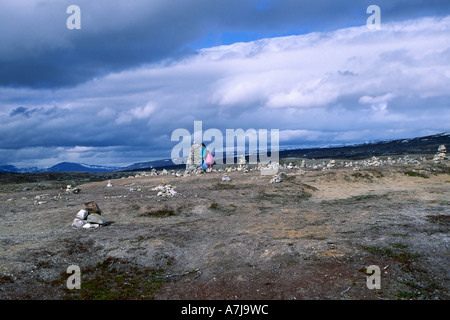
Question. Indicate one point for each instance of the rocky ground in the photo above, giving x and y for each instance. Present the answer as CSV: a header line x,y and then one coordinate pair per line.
x,y
310,236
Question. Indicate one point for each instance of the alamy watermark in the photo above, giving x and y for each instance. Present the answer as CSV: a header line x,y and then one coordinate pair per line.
x,y
235,144
74,20
74,281
374,21
374,280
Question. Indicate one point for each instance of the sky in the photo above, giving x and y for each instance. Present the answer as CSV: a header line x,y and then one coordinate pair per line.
x,y
113,92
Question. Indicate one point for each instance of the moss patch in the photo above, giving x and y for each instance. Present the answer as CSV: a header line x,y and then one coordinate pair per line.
x,y
115,279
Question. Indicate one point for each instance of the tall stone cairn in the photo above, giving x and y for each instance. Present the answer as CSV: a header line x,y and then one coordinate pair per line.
x,y
195,157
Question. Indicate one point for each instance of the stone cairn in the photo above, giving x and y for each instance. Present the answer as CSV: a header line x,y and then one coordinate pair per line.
x,y
89,217
440,156
165,190
242,164
72,190
194,159
268,169
278,177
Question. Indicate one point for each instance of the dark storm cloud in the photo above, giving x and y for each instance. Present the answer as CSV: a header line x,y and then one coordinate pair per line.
x,y
19,110
114,91
27,112
39,51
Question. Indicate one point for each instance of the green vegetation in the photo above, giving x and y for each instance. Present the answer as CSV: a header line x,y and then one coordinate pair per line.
x,y
214,206
399,254
223,186
402,235
416,174
114,279
419,284
369,175
440,218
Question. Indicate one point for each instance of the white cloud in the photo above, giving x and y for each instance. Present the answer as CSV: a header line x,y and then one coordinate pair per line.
x,y
138,113
376,100
316,87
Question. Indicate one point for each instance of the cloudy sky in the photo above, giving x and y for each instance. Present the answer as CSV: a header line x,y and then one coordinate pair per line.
x,y
113,92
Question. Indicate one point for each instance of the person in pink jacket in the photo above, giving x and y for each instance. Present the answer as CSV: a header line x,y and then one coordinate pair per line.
x,y
209,160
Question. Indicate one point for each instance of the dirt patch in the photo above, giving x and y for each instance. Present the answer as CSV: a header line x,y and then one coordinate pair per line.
x,y
312,236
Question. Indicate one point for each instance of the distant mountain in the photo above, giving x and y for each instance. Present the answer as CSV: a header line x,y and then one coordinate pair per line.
x,y
422,145
60,167
8,168
156,164
78,167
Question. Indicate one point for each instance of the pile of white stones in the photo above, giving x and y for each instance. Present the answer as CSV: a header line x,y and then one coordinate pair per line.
x,y
89,217
165,190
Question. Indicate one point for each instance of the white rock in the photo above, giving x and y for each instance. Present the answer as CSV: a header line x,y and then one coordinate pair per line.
x,y
82,214
78,223
90,225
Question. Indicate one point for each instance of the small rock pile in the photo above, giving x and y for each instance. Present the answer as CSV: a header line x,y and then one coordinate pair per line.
x,y
278,177
165,190
89,217
72,190
268,169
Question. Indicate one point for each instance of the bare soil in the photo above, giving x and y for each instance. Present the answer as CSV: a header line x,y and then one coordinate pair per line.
x,y
312,236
